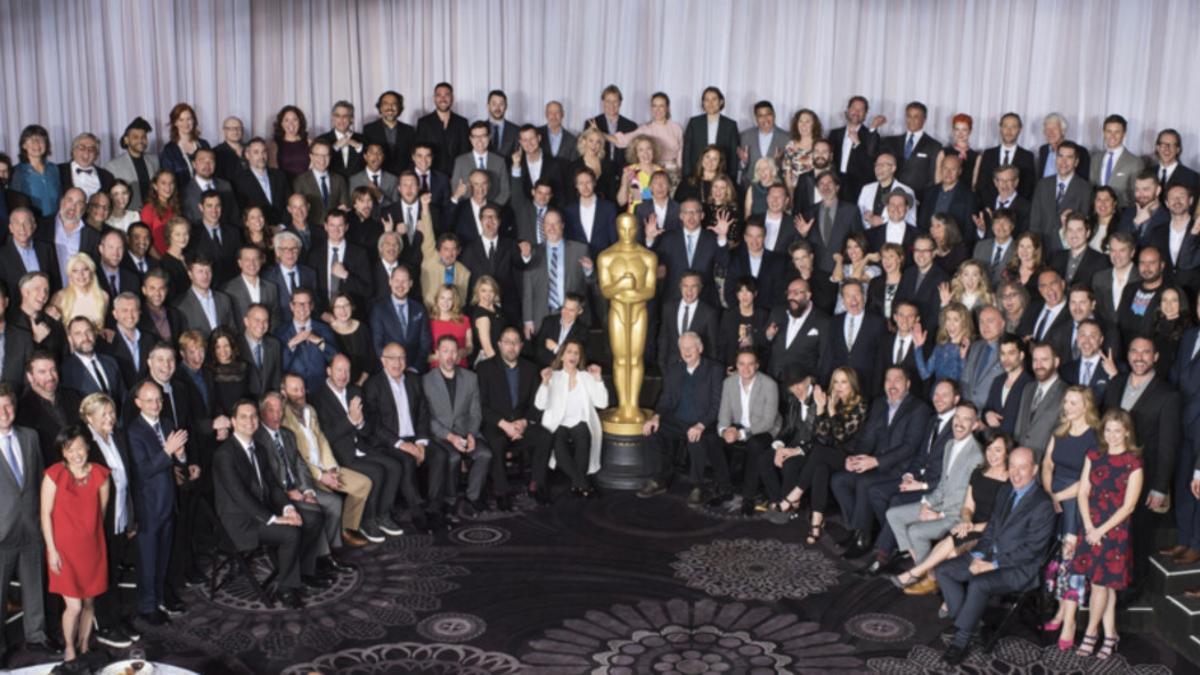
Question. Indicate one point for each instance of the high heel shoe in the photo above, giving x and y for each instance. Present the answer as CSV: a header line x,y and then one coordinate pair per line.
x,y
1065,645
814,533
1088,645
1050,626
789,505
1108,648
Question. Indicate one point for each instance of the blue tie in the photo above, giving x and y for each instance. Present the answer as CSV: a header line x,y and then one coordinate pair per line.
x,y
1062,188
448,279
1108,168
11,456
908,147
325,190
402,312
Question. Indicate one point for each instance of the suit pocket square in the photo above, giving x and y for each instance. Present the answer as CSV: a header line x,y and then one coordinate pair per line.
x,y
813,332
922,154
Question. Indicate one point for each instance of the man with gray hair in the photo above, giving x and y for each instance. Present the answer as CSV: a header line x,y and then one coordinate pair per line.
x,y
288,274
81,171
1054,129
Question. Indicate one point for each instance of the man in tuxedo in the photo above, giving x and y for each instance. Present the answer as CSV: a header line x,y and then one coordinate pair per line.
x,y
591,219
532,166
557,142
21,543
688,314
1168,147
204,308
261,351
690,247
915,151
890,437
375,176
262,186
767,268
480,158
498,258
394,138
23,254
748,420
779,224
1007,559
995,251
1146,218
710,128
229,152
507,386
685,415
128,344
287,273
872,199
610,122
555,269
85,371
797,332
1007,154
1053,324
213,238
952,196
1078,263
402,320
1054,128
81,171
919,282
503,139
1092,367
1056,193
854,148
135,166
341,266
1115,166
556,330
898,349
1041,401
1004,397
764,139
454,424
322,186
249,287
204,180
854,336
444,130
255,511
830,223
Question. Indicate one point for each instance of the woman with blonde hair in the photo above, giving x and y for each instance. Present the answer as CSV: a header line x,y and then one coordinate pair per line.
x,y
956,330
1062,465
178,234
487,321
642,157
970,287
592,156
446,318
83,295
765,175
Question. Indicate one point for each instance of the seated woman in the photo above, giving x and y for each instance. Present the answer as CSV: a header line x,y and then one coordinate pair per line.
x,y
956,330
840,414
83,295
74,498
795,441
179,235
1074,438
1027,262
570,394
984,484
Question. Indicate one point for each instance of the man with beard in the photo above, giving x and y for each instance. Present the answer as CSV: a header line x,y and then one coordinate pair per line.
x,y
828,223
392,136
806,193
443,129
872,199
855,146
1040,403
44,407
1139,302
1004,398
1145,216
1179,240
999,157
86,372
1091,367
952,196
797,332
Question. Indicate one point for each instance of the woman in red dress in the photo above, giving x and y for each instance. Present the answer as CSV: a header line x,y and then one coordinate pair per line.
x,y
74,497
446,318
1107,498
161,205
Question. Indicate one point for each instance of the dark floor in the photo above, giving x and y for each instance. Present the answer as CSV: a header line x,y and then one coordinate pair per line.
x,y
614,585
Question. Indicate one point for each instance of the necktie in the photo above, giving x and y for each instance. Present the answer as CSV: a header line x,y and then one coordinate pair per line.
x,y
1005,162
1162,176
258,355
292,274
170,408
541,226
424,182
687,319
112,283
402,312
289,481
254,463
159,433
1108,167
375,180
482,163
491,249
335,284
851,331
498,132
99,376
142,266
1085,377
1074,344
997,254
555,299
826,224
11,456
1042,324
216,235
1037,399
325,190
410,218
87,171
1062,188
448,278
898,357
691,247
908,146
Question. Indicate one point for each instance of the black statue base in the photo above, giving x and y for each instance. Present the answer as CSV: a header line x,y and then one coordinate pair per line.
x,y
624,463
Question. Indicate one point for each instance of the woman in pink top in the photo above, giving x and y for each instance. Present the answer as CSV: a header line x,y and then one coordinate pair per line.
x,y
667,135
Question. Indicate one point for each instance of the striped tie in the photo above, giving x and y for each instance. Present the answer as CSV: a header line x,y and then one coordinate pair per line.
x,y
555,297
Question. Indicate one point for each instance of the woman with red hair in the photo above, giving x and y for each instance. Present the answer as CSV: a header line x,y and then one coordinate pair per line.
x,y
960,136
177,156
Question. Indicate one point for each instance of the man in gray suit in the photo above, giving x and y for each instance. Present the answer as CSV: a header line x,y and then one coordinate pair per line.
x,y
455,416
765,139
552,270
995,251
204,308
1057,193
1040,403
918,525
20,532
557,142
374,176
748,420
249,288
481,158
1114,165
983,358
262,351
205,179
322,188
135,166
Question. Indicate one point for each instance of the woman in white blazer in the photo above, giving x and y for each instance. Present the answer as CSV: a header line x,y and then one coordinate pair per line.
x,y
568,397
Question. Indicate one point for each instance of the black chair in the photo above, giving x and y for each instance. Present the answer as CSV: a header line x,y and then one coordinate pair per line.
x,y
1016,601
240,564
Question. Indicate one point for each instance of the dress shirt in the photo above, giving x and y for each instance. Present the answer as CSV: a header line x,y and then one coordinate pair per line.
x,y
291,278
773,225
66,244
93,366
131,342
28,257
1110,159
1088,367
764,144
346,149
1175,241
577,405
755,263
901,348
563,330
686,309
713,126
264,181
253,289
794,324
852,325
120,479
1049,314
400,394
555,141
744,391
12,448
895,232
479,161
587,218
847,147
208,304
85,178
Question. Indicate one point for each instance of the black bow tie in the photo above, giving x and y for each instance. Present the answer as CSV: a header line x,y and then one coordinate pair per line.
x,y
87,171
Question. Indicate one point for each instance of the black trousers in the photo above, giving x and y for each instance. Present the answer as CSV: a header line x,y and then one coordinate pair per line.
x,y
753,447
434,460
187,530
815,474
572,451
385,473
671,435
111,607
535,444
295,549
776,478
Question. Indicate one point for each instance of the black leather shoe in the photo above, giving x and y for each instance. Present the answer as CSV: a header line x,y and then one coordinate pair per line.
x,y
480,505
195,578
47,647
332,564
504,503
954,655
315,581
155,618
542,496
747,507
861,546
173,606
290,599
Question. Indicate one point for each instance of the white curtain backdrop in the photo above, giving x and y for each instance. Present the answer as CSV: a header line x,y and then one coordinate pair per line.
x,y
74,65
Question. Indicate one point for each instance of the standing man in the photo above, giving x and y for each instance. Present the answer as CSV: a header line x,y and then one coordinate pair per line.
x,y
443,130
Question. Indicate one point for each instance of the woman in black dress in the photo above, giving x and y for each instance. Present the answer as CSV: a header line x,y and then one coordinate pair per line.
x,y
354,339
487,321
592,156
257,233
228,370
698,185
1170,321
743,326
178,234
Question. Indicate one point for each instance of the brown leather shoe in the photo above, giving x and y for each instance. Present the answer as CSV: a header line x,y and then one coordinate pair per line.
x,y
1173,550
351,538
926,586
1189,557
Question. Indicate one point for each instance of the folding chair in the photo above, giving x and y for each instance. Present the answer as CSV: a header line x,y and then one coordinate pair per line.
x,y
239,563
1017,600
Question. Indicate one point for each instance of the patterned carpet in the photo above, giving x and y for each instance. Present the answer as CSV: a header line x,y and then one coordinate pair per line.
x,y
617,585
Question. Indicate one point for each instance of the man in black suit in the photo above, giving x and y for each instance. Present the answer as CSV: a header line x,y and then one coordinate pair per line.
x,y
1053,323
45,407
204,180
341,266
288,274
1005,182
1092,367
443,130
18,347
688,314
262,186
114,279
503,137
1007,559
531,166
507,386
1054,128
23,254
1145,218
429,179
752,259
854,148
346,143
1002,409
159,320
689,248
85,371
660,213
1079,263
214,238
829,223
894,226
261,351
81,171
1182,259
529,211
685,414
556,330
611,121
1008,153
797,333
854,337
255,510
137,250
882,450
498,258
919,282
128,344
69,221
710,128
898,349
915,151
395,137
1168,146
952,196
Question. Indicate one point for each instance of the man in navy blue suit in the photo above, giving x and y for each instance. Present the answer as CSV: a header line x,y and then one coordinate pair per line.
x,y
593,219
402,320
85,371
157,451
1006,559
308,344
854,338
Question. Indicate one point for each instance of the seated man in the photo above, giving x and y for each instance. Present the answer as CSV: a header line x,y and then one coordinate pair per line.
x,y
507,387
918,525
454,421
686,414
255,510
748,421
1008,558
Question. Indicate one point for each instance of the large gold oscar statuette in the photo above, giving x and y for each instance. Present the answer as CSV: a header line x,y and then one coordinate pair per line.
x,y
628,274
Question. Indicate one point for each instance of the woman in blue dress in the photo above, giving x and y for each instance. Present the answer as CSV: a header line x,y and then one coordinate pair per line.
x,y
955,332
34,176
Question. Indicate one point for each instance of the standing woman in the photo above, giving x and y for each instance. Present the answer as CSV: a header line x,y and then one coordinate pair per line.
x,y
178,154
161,205
569,397
797,154
1104,218
257,233
667,135
960,144
721,210
1027,263
74,498
34,177
178,234
699,183
1107,499
881,291
593,156
969,286
487,321
743,326
765,175
446,318
288,150
1171,320
120,216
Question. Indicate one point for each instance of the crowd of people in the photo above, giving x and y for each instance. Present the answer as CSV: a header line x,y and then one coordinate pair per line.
x,y
984,359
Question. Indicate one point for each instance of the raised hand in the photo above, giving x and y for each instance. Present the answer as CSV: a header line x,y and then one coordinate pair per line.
x,y
803,226
919,335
